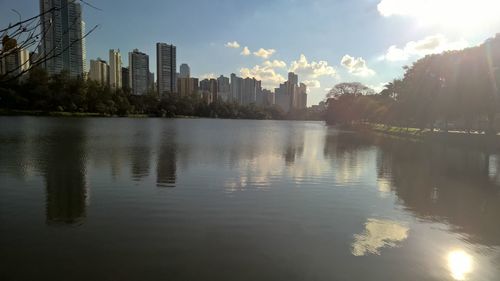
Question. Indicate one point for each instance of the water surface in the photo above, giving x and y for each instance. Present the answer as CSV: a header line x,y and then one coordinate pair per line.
x,y
159,199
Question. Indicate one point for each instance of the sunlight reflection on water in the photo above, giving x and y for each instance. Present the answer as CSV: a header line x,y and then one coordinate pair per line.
x,y
460,264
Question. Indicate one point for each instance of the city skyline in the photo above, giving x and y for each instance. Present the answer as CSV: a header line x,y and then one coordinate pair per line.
x,y
366,40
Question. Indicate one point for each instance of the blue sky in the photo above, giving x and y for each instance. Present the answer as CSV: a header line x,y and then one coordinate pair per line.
x,y
324,41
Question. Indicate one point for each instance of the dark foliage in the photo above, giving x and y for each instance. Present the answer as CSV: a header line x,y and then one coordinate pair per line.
x,y
60,93
454,90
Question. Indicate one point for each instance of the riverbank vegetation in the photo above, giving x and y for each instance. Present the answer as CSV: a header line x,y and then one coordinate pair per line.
x,y
451,91
38,94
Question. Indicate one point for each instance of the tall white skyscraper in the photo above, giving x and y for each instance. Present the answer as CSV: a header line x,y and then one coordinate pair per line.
x,y
62,39
15,59
185,71
166,67
249,89
236,88
84,50
115,69
99,71
223,88
138,72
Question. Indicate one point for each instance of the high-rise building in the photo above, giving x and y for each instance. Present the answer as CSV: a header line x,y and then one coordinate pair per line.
x,y
138,72
293,78
208,88
166,67
33,57
292,85
185,71
290,95
99,71
84,49
15,60
187,86
62,42
282,99
115,69
267,98
236,84
151,81
223,88
249,90
125,78
302,96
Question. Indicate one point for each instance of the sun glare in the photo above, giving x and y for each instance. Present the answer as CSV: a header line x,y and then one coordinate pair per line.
x,y
446,13
460,264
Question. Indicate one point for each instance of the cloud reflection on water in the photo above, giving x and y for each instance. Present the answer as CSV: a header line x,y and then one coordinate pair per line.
x,y
378,234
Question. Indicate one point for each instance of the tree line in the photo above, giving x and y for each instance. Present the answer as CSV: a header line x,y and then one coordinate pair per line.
x,y
456,90
37,91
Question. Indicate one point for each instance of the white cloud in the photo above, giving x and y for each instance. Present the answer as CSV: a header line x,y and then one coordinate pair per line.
x,y
377,87
312,84
265,73
429,45
457,14
275,64
245,52
389,8
233,45
208,76
264,53
313,69
356,66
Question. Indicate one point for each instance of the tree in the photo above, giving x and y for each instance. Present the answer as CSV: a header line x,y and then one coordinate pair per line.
x,y
460,86
349,88
344,102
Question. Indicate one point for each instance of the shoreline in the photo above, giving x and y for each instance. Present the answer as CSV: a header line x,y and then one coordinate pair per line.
x,y
40,113
472,140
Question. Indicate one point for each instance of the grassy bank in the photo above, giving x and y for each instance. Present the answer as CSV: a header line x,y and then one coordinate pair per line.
x,y
397,131
476,140
10,112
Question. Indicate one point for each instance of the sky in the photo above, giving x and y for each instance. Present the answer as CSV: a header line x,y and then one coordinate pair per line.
x,y
324,41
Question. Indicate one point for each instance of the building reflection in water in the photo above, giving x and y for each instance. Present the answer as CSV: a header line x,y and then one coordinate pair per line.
x,y
140,155
166,168
294,145
64,168
292,156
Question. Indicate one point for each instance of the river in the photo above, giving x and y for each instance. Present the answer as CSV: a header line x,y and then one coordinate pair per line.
x,y
205,199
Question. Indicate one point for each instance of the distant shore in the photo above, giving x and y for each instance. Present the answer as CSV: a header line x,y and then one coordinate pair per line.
x,y
12,112
41,113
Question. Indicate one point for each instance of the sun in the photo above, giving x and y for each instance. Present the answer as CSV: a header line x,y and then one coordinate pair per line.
x,y
459,264
450,14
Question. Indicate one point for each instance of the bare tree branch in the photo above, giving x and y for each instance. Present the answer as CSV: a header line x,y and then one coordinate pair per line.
x,y
30,33
30,19
90,5
43,60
